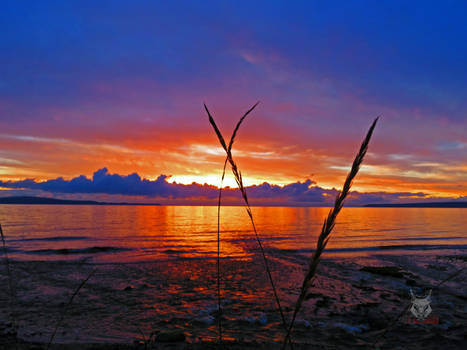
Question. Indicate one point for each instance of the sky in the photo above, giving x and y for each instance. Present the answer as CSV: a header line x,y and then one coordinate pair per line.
x,y
105,99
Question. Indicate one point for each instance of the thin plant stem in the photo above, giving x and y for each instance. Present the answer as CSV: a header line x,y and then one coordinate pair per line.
x,y
65,308
238,178
328,225
232,139
11,288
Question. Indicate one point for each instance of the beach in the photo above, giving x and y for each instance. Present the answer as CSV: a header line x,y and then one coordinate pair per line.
x,y
348,307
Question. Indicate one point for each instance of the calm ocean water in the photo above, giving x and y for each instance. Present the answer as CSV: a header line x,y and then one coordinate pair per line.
x,y
143,233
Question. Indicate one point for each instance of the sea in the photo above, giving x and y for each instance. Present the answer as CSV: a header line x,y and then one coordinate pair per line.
x,y
144,233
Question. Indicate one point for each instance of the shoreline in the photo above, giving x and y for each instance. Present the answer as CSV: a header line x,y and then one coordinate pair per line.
x,y
351,302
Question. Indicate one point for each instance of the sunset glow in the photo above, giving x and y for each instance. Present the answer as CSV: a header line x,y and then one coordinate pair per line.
x,y
128,96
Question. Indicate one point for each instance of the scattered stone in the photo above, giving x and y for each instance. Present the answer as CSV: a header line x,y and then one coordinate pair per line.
x,y
260,319
376,320
302,323
436,267
175,302
206,320
365,288
369,304
170,336
390,297
324,302
351,328
453,257
313,295
392,271
215,313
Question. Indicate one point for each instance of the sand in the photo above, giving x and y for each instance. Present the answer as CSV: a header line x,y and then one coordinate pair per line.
x,y
351,305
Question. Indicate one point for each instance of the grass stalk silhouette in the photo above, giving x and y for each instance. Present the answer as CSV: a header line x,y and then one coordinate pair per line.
x,y
326,230
238,178
65,308
232,139
11,288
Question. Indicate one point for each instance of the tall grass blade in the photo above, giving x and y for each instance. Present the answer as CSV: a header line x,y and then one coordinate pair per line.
x,y
328,225
65,308
232,139
11,287
238,178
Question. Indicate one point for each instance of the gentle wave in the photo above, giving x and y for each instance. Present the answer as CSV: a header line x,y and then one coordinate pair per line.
x,y
383,247
178,232
413,238
66,251
175,251
423,246
51,239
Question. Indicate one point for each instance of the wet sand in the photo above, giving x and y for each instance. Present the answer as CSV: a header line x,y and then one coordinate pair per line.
x,y
351,305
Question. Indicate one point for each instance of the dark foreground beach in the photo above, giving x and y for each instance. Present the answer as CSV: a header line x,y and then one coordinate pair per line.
x,y
172,304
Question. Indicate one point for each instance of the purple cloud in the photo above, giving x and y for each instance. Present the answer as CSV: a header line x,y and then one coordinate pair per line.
x,y
103,182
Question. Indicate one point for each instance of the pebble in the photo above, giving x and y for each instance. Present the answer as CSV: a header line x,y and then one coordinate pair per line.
x,y
376,320
170,336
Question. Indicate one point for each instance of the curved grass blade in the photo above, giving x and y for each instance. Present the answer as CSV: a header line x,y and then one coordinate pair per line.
x,y
328,225
12,289
232,139
239,181
65,308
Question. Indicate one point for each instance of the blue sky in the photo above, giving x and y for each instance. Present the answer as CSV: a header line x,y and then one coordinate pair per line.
x,y
119,84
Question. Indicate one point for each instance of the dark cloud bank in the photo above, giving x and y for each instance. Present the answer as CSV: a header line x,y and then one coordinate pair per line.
x,y
102,182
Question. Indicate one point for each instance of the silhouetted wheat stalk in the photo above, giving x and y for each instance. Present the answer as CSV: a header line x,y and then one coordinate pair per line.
x,y
232,139
238,178
65,308
328,225
11,287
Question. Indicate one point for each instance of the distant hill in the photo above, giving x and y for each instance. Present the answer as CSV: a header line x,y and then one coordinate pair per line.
x,y
421,205
46,200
